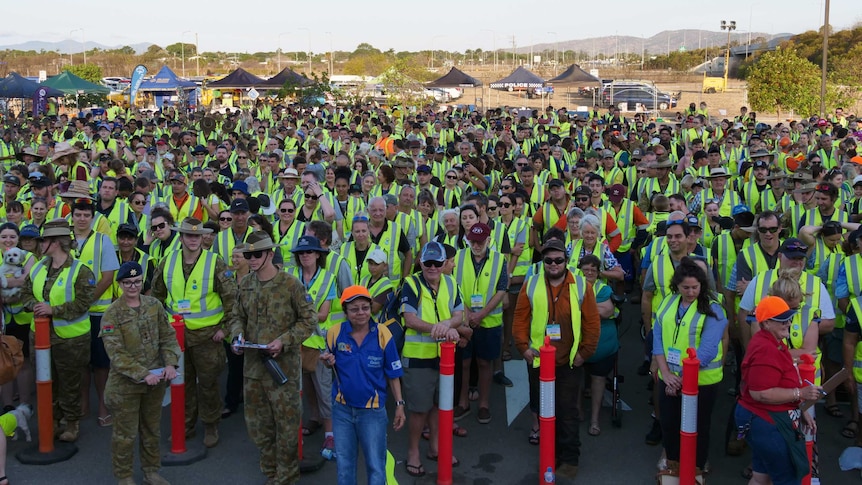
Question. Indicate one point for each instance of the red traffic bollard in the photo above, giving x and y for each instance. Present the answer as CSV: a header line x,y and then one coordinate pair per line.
x,y
807,372
688,424
446,414
181,453
547,413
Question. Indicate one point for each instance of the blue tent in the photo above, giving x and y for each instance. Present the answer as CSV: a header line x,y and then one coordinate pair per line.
x,y
166,80
17,86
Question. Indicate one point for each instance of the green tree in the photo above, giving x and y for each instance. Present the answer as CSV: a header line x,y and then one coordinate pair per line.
x,y
782,80
90,72
176,50
307,94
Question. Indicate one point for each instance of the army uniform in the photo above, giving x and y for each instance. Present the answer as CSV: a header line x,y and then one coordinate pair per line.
x,y
204,359
278,308
137,340
69,356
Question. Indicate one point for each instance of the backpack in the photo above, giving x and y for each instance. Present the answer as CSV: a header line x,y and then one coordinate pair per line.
x,y
390,317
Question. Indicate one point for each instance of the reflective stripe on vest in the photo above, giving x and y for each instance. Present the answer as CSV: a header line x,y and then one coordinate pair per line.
x,y
537,293
432,309
662,273
388,242
91,255
319,290
205,305
690,324
61,292
485,285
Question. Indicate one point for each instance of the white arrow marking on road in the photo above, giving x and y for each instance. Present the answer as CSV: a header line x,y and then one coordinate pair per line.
x,y
517,396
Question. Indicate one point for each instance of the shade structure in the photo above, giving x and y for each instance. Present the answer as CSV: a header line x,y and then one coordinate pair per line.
x,y
520,78
72,84
575,76
287,75
17,86
166,80
455,78
239,79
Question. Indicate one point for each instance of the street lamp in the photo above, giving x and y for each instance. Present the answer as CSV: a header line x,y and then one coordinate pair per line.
x,y
279,49
197,57
309,47
555,51
331,53
71,63
823,66
183,50
432,48
495,46
729,27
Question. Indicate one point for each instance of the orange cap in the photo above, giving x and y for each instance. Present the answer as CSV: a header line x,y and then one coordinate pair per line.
x,y
784,142
773,308
857,159
353,292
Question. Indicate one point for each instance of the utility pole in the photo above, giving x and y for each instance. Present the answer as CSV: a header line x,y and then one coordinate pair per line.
x,y
729,27
513,51
71,62
183,49
823,66
197,57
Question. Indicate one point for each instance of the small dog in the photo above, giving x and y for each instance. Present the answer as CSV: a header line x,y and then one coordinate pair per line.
x,y
22,414
13,267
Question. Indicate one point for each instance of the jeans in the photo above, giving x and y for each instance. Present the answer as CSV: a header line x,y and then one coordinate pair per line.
x,y
770,453
368,427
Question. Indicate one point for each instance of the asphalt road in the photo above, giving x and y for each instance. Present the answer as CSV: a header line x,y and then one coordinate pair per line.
x,y
492,454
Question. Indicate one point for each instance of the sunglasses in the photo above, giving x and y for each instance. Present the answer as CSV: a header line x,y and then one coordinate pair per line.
x,y
360,219
433,264
675,222
583,199
84,201
771,230
312,197
243,158
255,255
286,211
506,204
159,226
451,177
139,202
225,219
554,260
505,187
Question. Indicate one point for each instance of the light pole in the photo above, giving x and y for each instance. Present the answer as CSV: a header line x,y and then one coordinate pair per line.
x,y
729,27
83,45
197,57
279,49
823,66
556,49
495,46
331,53
432,48
71,62
183,49
309,47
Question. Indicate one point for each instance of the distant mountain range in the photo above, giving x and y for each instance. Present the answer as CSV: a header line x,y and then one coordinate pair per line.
x,y
70,46
658,44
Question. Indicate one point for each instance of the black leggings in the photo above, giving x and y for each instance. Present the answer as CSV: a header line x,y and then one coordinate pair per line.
x,y
670,410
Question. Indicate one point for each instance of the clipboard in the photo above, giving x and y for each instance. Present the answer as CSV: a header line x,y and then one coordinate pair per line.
x,y
829,386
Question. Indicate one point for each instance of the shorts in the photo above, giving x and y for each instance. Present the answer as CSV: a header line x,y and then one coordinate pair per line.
x,y
98,355
515,288
770,453
833,345
627,262
601,367
22,333
486,344
421,388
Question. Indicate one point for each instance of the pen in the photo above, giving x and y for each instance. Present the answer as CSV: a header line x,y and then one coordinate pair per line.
x,y
822,392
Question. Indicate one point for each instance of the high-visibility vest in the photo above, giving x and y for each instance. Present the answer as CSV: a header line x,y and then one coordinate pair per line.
x,y
388,242
652,186
16,311
809,283
729,200
479,289
62,291
550,214
727,256
379,287
322,285
662,273
537,293
158,248
821,252
355,205
814,218
690,326
432,309
625,220
857,362
576,248
187,210
852,267
198,291
753,256
833,263
91,255
359,270
225,243
288,240
512,231
119,215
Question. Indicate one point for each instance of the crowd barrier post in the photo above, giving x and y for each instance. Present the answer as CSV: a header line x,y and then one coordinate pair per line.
x,y
806,372
547,413
446,414
688,424
182,453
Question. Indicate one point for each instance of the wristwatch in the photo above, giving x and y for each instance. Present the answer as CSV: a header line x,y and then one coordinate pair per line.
x,y
400,402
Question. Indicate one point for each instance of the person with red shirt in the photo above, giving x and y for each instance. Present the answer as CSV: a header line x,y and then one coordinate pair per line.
x,y
767,412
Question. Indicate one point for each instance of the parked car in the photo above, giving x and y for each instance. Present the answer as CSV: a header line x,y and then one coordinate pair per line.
x,y
636,93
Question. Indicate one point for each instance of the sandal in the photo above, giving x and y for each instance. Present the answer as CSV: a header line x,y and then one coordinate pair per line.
x,y
534,436
594,429
415,470
457,431
507,356
834,411
104,422
312,428
850,429
473,394
4,480
455,461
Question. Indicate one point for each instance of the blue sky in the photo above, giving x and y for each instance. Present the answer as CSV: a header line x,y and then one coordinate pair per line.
x,y
264,25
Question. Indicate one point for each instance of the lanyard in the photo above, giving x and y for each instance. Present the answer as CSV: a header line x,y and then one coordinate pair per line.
x,y
553,299
680,314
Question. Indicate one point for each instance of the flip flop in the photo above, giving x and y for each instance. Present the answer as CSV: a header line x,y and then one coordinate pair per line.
x,y
594,429
534,436
459,431
415,470
834,411
104,422
850,429
455,461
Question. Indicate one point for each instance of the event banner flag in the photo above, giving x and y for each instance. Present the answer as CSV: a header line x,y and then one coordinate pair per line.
x,y
40,101
137,78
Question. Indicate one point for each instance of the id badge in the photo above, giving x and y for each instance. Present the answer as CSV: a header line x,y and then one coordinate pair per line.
x,y
184,306
674,356
553,331
477,302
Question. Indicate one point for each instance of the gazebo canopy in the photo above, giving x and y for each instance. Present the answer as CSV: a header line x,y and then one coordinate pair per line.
x,y
17,86
166,80
239,79
575,76
72,84
455,78
520,78
286,75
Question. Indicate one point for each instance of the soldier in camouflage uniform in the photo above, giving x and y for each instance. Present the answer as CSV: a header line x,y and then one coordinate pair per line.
x,y
273,309
144,353
47,293
204,293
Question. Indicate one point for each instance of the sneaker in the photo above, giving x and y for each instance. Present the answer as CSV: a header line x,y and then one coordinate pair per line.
x,y
328,449
654,436
501,379
483,416
460,412
644,368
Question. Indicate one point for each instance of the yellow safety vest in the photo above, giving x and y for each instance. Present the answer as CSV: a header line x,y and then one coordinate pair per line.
x,y
194,298
225,243
61,292
158,250
15,312
662,273
479,289
119,215
376,289
359,271
625,220
516,227
537,293
432,309
91,255
143,259
321,287
388,242
691,325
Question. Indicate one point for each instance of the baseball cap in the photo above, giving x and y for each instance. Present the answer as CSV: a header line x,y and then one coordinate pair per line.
x,y
583,190
692,220
773,308
555,183
739,209
793,248
127,228
857,180
433,251
178,176
423,169
554,245
479,232
637,154
591,154
30,230
240,186
616,192
239,205
607,154
11,179
377,256
353,292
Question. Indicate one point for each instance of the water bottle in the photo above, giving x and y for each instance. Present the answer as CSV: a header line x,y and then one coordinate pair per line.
x,y
274,370
549,476
327,454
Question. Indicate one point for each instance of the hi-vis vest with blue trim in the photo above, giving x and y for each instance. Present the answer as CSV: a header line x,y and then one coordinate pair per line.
x,y
389,242
537,293
432,309
15,312
323,282
62,291
512,231
358,271
204,304
662,273
91,255
690,326
159,250
484,286
143,259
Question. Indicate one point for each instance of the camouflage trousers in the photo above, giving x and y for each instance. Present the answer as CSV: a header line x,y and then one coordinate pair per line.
x,y
135,414
204,364
69,359
272,416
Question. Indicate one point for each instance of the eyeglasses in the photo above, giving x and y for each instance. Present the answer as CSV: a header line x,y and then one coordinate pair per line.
x,y
255,255
554,260
225,219
132,283
312,197
286,211
159,226
492,207
771,230
433,264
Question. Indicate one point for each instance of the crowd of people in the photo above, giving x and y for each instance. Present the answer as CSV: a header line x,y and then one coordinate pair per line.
x,y
340,246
